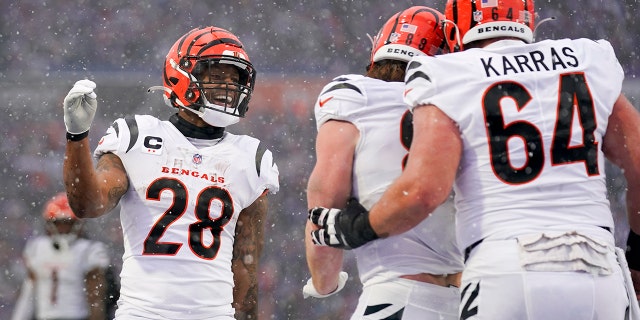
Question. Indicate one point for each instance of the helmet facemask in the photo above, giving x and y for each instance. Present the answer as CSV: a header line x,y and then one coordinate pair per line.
x,y
222,84
63,232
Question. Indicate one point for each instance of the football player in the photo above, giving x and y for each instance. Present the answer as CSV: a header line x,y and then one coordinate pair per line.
x,y
364,135
192,196
520,130
65,271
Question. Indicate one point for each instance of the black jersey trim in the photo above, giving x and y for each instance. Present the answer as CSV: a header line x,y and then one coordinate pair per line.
x,y
418,75
369,310
116,128
259,155
343,86
133,131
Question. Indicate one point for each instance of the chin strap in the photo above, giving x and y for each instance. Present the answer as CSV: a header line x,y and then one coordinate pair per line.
x,y
159,88
164,96
538,25
373,41
455,27
62,241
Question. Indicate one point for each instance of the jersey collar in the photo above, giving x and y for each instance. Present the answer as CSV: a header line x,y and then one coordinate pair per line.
x,y
191,131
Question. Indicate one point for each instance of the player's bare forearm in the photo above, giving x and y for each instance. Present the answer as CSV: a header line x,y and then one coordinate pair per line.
x,y
633,205
247,249
621,147
329,186
325,263
95,286
92,192
79,176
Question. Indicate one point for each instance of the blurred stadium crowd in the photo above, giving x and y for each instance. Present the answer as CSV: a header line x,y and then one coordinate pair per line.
x,y
296,46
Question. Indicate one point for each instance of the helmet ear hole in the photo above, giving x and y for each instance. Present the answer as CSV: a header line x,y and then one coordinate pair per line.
x,y
189,95
185,63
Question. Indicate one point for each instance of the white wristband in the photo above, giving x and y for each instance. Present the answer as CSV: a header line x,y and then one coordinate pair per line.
x,y
310,291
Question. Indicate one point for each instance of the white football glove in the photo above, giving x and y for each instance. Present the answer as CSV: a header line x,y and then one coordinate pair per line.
x,y
80,106
310,291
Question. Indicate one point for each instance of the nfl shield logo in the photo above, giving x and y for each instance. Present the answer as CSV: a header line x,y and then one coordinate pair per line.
x,y
477,16
394,37
197,159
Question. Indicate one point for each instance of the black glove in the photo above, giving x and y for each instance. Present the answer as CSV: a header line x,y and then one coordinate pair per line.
x,y
344,229
633,251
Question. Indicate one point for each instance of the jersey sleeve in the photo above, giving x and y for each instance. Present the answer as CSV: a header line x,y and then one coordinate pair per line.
x,y
97,257
117,135
29,252
615,73
340,100
610,56
268,170
419,85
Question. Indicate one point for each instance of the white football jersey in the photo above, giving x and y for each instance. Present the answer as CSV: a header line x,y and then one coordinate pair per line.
x,y
60,274
180,212
384,121
532,119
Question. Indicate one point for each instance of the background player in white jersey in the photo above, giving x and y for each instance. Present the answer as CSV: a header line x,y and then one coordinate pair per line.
x,y
364,134
192,196
65,271
523,130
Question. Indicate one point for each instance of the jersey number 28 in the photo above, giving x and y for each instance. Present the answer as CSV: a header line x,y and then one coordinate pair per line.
x,y
153,245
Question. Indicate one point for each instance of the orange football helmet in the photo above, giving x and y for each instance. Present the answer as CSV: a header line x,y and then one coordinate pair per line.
x,y
484,19
57,208
192,55
412,32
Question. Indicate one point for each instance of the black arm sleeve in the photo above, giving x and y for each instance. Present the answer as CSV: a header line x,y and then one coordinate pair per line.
x,y
633,251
